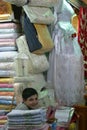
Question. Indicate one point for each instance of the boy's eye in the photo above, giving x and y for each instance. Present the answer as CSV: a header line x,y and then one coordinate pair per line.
x,y
33,99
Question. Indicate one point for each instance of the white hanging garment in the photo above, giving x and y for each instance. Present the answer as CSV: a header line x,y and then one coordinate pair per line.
x,y
66,73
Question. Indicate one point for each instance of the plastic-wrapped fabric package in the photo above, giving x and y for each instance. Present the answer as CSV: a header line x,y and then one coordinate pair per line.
x,y
17,2
35,63
66,72
5,10
39,15
44,3
45,39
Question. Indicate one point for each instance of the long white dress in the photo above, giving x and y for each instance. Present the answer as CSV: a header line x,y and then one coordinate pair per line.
x,y
66,73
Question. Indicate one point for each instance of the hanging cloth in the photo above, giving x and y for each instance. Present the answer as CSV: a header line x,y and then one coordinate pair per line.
x,y
82,35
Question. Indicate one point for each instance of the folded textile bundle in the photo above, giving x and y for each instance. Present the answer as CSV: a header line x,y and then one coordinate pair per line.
x,y
7,102
8,56
2,40
10,35
43,3
6,80
7,43
3,117
4,49
3,112
10,30
18,118
41,15
7,73
7,93
6,89
7,107
6,65
17,2
6,85
5,10
6,97
34,63
10,25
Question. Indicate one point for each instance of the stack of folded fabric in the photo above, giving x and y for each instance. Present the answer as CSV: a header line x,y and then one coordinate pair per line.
x,y
38,15
7,101
10,29
26,119
3,117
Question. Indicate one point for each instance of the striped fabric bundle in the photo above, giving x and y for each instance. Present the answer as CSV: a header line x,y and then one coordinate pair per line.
x,y
3,117
24,118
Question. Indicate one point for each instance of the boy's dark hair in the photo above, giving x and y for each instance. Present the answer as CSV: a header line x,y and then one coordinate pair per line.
x,y
28,92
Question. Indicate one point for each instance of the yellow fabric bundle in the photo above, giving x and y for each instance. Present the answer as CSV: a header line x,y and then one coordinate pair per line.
x,y
7,107
44,38
5,10
6,80
2,122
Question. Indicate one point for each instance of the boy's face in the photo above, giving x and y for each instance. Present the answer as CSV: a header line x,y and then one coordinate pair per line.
x,y
32,102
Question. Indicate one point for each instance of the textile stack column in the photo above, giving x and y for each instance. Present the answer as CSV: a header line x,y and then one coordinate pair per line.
x,y
9,30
